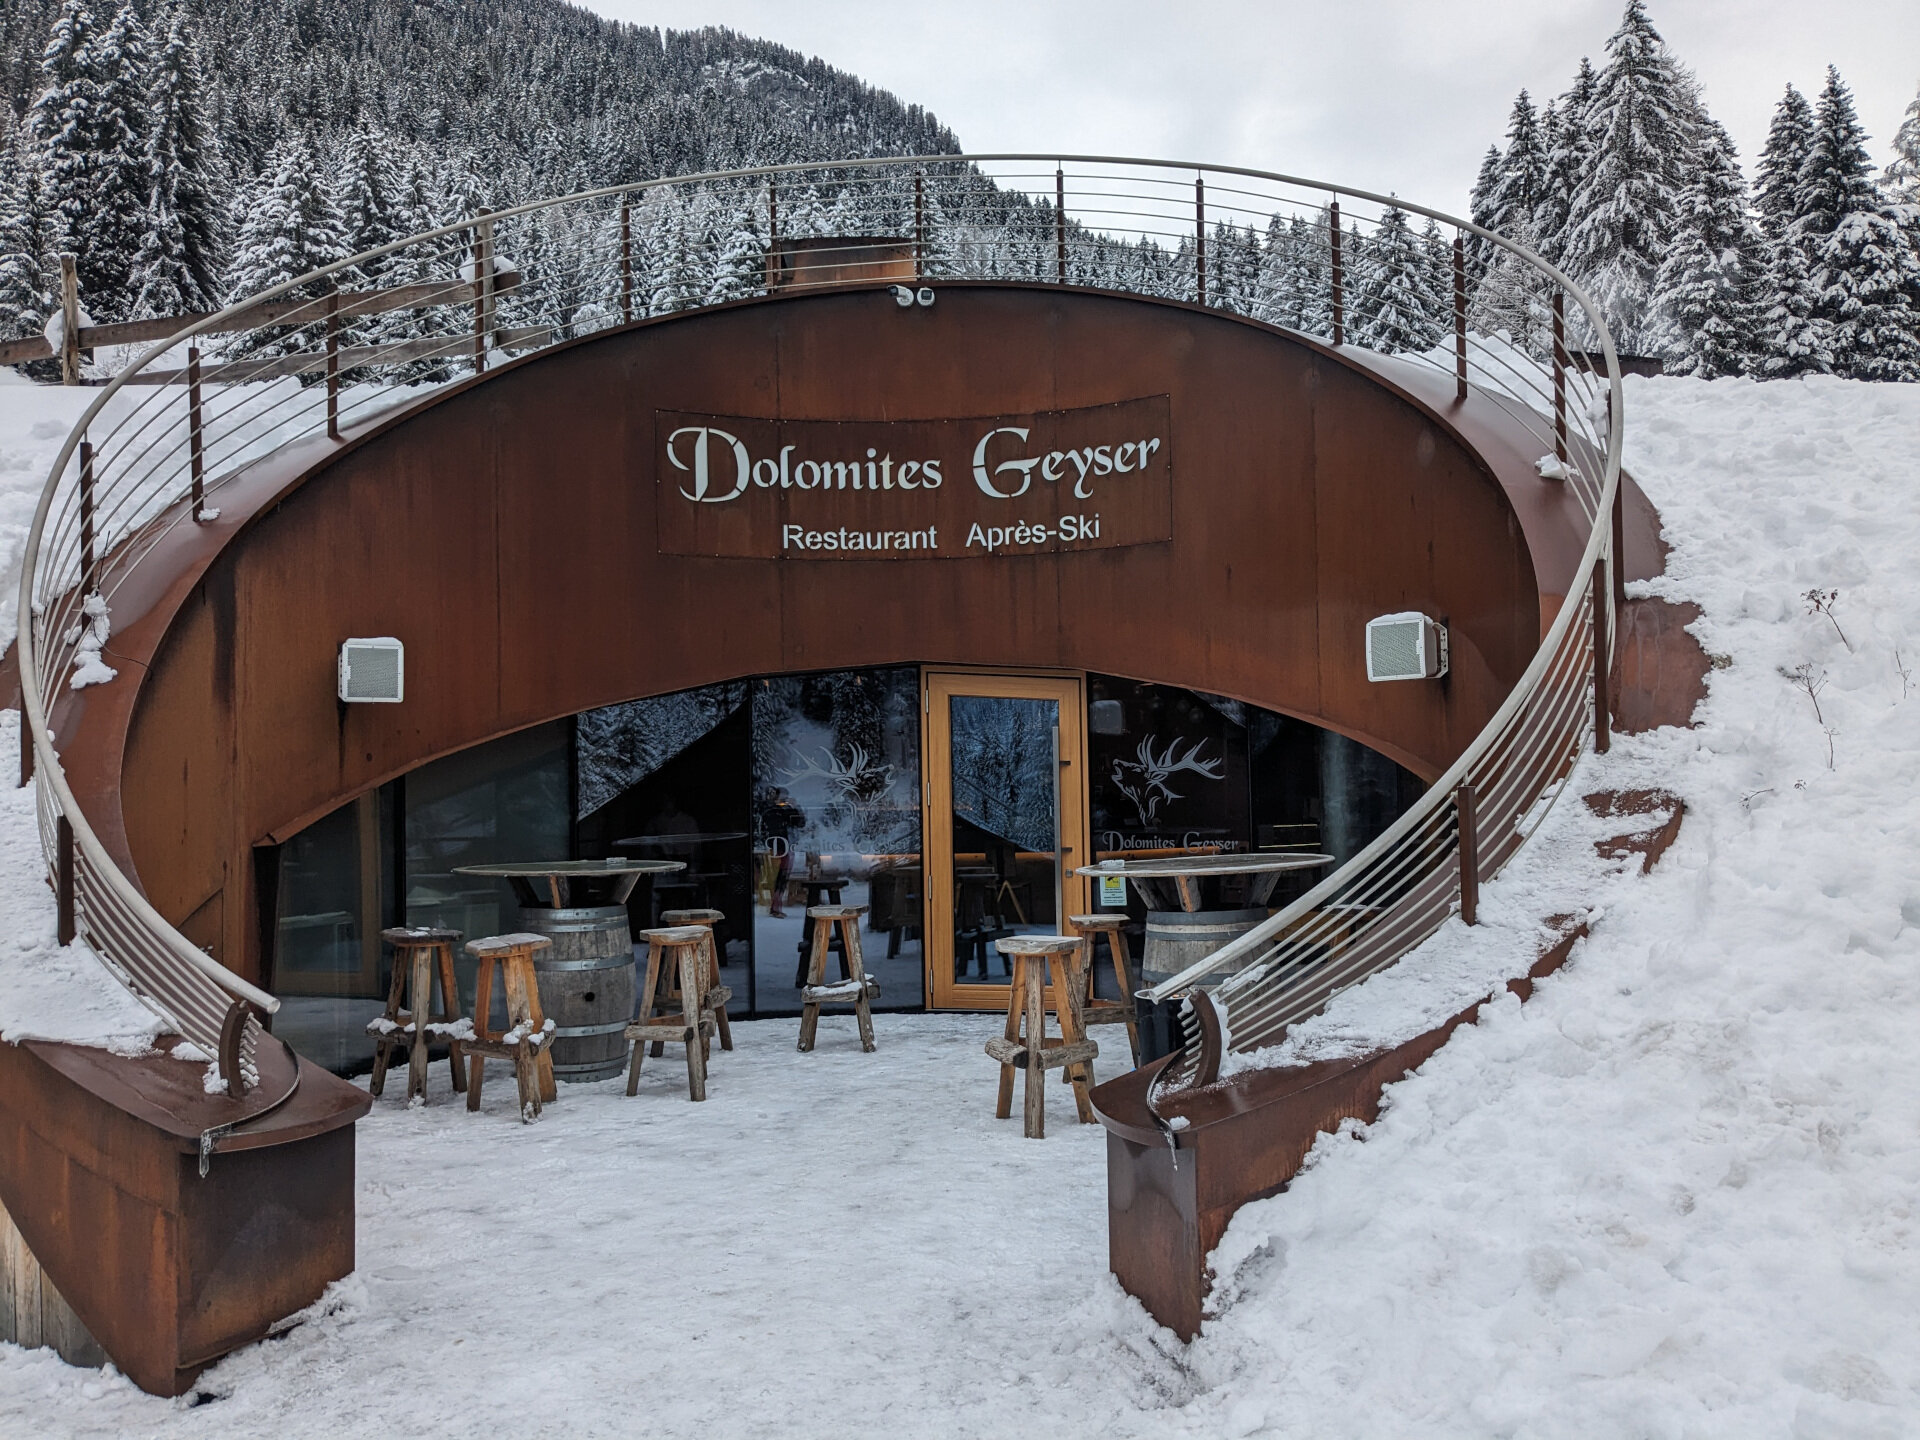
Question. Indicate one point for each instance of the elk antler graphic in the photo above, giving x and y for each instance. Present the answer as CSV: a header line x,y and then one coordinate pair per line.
x,y
1144,780
859,777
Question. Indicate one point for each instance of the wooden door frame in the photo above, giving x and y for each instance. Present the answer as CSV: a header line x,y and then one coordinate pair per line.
x,y
1069,689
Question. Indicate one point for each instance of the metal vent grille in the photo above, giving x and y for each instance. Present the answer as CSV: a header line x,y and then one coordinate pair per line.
x,y
1408,646
372,671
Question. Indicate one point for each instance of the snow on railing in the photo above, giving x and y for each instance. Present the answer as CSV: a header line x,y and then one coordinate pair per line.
x,y
319,358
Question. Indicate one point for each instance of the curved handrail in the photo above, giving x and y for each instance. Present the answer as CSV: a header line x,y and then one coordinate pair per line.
x,y
88,534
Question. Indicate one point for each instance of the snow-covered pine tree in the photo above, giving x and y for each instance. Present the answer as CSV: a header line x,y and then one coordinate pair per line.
x,y
367,195
1902,180
1620,222
1521,183
28,239
1707,295
177,270
1789,138
289,227
1568,135
740,269
1480,253
1864,274
1394,306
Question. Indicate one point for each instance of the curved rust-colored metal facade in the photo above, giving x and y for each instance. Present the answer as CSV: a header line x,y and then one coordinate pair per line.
x,y
507,530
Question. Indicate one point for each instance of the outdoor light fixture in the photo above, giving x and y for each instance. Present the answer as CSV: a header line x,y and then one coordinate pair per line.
x,y
903,296
1406,646
372,672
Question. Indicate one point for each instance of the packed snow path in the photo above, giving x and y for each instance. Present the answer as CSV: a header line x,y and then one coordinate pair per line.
x,y
1671,1196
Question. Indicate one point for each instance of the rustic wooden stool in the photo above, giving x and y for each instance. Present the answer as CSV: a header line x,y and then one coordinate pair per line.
x,y
682,948
418,953
1108,1012
525,1041
856,989
717,994
1034,1052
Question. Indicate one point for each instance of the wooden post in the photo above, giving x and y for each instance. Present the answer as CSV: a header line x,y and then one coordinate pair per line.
x,y
482,291
773,235
919,224
1060,224
63,878
196,436
1469,830
1339,277
1559,374
333,368
626,259
1602,720
87,581
1459,317
69,322
1200,237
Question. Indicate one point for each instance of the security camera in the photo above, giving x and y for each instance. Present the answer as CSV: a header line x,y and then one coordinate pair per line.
x,y
925,297
902,296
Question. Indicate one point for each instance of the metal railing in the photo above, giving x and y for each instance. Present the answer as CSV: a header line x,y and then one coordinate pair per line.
x,y
313,360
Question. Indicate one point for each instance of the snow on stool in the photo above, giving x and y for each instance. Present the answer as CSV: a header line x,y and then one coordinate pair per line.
x,y
418,953
1029,1047
857,989
717,995
1108,1012
525,1040
683,949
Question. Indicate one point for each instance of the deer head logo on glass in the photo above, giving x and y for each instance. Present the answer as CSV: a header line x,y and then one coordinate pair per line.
x,y
1144,780
859,777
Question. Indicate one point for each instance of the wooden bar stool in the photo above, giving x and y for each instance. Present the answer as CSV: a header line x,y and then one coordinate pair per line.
x,y
1108,1012
717,996
856,990
1034,1051
528,1033
681,948
420,956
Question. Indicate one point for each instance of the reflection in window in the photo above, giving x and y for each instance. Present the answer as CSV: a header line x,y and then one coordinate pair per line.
x,y
836,820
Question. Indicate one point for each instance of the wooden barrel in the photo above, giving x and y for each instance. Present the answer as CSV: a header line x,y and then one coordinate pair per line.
x,y
1179,938
586,981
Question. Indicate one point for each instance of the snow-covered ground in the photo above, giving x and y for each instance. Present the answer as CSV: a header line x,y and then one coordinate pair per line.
x,y
1673,1195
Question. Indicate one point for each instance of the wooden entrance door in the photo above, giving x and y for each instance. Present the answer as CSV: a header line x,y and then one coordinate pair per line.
x,y
1005,824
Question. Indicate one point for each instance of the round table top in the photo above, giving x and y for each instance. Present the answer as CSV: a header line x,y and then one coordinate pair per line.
x,y
612,865
1173,866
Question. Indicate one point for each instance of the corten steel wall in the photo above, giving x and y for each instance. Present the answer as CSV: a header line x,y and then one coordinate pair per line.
x,y
507,534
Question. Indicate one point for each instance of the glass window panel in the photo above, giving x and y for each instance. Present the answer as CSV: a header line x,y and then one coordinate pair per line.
x,y
836,820
1006,827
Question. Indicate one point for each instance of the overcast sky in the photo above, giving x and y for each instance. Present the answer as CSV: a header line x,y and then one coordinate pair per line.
x,y
1389,95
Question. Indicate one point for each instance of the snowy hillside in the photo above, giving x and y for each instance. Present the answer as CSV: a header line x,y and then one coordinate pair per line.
x,y
1673,1195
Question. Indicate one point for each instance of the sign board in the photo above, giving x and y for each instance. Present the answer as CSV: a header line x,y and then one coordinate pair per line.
x,y
1113,891
1043,483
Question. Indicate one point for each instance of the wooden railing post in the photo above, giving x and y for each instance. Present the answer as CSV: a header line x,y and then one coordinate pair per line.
x,y
63,879
1559,374
196,436
626,259
1200,237
919,224
1602,719
773,234
333,369
87,581
1339,277
482,291
1469,834
1060,224
69,321
1459,317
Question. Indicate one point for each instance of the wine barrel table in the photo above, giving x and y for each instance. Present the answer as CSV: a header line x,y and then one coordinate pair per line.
x,y
586,977
1180,934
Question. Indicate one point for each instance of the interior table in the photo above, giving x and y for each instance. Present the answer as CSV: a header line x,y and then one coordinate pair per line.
x,y
606,882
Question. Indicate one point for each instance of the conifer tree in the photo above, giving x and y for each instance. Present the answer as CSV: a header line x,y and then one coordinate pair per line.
x,y
741,264
1622,215
1789,138
1864,274
367,194
1706,297
28,241
1521,184
1394,304
289,227
1568,136
1902,179
177,268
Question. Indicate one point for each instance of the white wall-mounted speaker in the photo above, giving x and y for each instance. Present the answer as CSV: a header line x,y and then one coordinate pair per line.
x,y
1406,646
373,672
